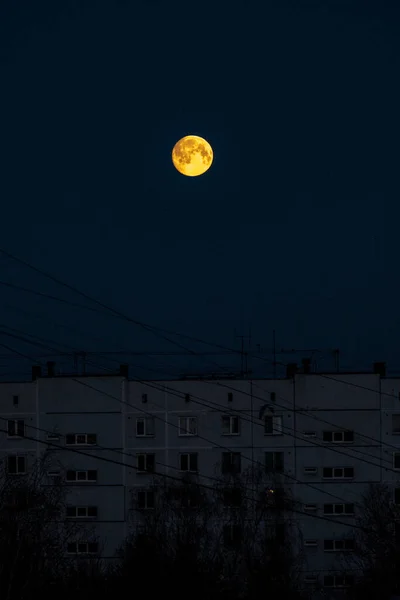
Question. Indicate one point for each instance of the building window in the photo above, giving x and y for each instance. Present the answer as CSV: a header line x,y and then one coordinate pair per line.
x,y
311,543
144,398
230,425
310,434
146,463
397,495
81,512
187,426
338,473
16,428
274,462
273,425
188,462
145,427
339,545
16,465
232,535
310,507
232,497
231,463
83,548
273,396
338,581
338,437
80,439
145,499
81,476
15,400
230,397
187,397
396,460
338,509
396,424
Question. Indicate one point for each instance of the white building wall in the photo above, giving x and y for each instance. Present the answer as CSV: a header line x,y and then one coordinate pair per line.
x,y
308,404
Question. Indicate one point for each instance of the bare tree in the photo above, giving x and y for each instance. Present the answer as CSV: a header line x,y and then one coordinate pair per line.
x,y
33,531
376,559
230,539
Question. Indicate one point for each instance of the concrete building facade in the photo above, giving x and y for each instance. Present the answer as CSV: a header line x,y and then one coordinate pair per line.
x,y
328,434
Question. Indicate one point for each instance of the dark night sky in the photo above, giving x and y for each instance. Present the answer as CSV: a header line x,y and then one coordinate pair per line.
x,y
294,227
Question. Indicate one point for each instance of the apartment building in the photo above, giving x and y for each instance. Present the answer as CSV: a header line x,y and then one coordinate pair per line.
x,y
330,434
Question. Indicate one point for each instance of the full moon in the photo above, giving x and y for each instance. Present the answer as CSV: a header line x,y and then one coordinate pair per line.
x,y
192,155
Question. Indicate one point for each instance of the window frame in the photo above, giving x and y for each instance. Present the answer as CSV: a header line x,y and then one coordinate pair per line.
x,y
17,433
231,470
146,496
146,456
186,431
230,419
275,430
146,421
396,455
397,430
77,480
334,513
18,458
333,469
189,457
342,433
281,460
79,435
87,544
77,516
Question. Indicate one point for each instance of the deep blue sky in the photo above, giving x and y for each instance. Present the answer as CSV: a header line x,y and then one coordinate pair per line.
x,y
294,228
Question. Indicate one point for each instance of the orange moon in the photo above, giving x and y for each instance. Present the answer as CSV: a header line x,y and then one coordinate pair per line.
x,y
192,156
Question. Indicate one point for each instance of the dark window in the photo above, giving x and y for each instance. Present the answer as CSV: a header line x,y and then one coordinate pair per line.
x,y
71,475
144,398
91,438
339,509
273,396
16,465
15,400
71,511
69,439
145,499
349,472
150,463
187,397
327,436
337,436
82,547
16,428
71,548
274,461
93,547
328,544
230,396
81,475
349,509
348,436
231,463
81,511
396,460
349,544
92,475
327,472
92,511
189,462
397,496
328,509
